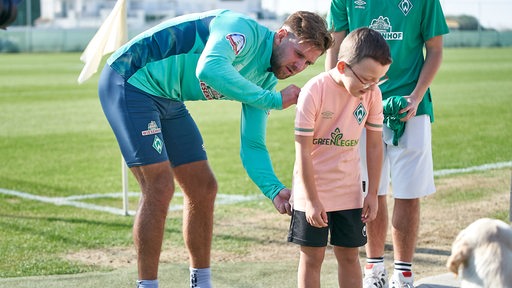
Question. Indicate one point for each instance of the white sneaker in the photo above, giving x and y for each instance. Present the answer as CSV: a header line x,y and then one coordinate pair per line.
x,y
375,276
402,279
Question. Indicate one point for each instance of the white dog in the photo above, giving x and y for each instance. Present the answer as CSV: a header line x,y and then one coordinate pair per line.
x,y
484,250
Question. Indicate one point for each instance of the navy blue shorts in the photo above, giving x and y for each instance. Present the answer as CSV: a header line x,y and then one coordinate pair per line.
x,y
345,227
148,128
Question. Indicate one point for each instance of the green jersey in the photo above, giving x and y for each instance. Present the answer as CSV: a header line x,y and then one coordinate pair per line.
x,y
213,55
406,25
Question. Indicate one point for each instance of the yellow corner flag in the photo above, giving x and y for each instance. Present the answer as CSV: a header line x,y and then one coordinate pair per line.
x,y
111,35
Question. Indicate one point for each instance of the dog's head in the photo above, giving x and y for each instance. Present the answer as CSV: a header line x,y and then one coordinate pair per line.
x,y
461,251
484,234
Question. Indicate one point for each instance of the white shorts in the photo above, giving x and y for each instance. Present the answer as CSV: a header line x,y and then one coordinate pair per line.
x,y
409,164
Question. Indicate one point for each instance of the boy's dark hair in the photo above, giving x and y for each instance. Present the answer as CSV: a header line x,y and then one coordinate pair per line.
x,y
311,28
364,43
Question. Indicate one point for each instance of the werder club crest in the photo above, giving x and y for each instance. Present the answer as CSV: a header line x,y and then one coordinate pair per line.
x,y
360,113
405,6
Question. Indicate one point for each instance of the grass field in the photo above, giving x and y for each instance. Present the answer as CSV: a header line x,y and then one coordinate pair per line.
x,y
55,142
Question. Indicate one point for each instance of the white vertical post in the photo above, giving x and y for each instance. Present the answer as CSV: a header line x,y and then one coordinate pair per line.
x,y
124,172
28,35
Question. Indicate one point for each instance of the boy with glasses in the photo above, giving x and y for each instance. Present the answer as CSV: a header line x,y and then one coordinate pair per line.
x,y
332,110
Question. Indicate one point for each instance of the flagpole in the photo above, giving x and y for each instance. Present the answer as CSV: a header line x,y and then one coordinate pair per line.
x,y
111,35
124,177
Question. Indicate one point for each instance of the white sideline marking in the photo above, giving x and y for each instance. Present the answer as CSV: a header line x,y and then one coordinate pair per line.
x,y
222,199
484,167
62,201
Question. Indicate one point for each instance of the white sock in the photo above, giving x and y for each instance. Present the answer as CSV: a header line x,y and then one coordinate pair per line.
x,y
377,260
374,263
200,278
147,283
403,266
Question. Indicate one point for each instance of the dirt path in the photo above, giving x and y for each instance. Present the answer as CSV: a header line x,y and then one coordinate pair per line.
x,y
459,201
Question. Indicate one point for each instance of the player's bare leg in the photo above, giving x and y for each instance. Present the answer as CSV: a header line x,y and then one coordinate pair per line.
x,y
157,187
349,267
199,190
405,222
310,266
375,274
377,231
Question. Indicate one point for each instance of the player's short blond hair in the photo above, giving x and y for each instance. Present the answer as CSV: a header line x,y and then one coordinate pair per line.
x,y
310,28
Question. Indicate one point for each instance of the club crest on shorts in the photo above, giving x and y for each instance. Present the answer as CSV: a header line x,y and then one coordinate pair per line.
x,y
237,42
158,144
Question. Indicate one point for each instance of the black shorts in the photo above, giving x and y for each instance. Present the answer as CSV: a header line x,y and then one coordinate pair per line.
x,y
345,227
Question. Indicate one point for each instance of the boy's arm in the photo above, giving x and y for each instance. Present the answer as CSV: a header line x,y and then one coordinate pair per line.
x,y
374,163
315,212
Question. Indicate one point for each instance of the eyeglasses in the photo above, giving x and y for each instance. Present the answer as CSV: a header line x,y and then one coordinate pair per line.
x,y
368,85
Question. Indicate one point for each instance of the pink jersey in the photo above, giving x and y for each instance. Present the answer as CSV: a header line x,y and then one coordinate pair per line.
x,y
335,119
